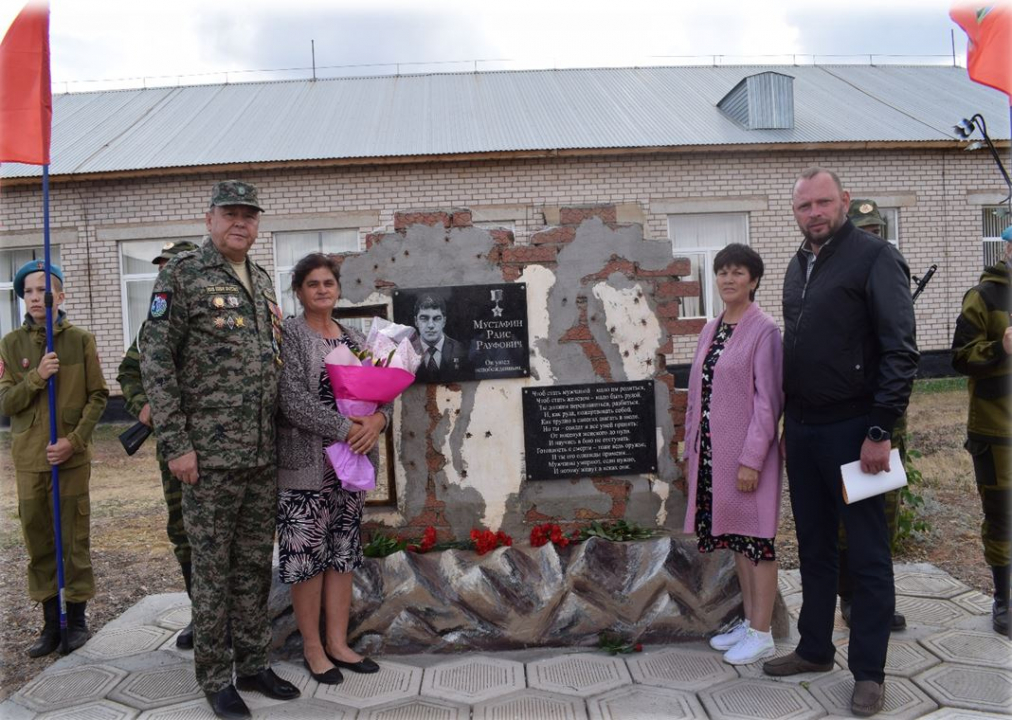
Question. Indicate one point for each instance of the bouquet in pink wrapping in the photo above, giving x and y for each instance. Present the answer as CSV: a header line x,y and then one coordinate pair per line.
x,y
364,381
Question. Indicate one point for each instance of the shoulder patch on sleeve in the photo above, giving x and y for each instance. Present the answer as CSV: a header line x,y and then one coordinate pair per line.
x,y
161,302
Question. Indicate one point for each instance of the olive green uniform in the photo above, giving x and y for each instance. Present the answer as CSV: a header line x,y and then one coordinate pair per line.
x,y
978,352
81,396
210,362
134,397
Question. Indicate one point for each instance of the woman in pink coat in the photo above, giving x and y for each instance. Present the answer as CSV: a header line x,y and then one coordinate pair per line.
x,y
731,449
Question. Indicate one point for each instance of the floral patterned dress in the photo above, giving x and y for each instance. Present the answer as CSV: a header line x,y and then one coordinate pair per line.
x,y
753,548
320,529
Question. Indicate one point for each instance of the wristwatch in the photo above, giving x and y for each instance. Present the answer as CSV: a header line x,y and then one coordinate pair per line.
x,y
877,434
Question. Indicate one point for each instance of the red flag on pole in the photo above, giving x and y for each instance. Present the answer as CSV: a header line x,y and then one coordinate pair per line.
x,y
26,97
989,50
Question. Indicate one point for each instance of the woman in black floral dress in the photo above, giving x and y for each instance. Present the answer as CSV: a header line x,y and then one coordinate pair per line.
x,y
319,536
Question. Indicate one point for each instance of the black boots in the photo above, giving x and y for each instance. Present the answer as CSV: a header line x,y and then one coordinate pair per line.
x,y
49,638
999,611
184,641
77,625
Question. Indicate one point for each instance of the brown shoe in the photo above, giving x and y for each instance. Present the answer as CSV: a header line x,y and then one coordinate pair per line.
x,y
793,664
867,698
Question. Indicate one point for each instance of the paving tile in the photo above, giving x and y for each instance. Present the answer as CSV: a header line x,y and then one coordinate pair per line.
x,y
67,688
421,708
929,611
928,584
749,698
175,618
303,709
10,710
110,644
148,689
903,699
100,710
789,582
960,714
529,704
681,669
295,674
975,603
473,679
906,658
578,674
971,648
643,702
190,710
969,687
393,682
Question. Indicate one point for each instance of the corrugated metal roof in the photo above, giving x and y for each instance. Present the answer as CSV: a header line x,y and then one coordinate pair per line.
x,y
418,115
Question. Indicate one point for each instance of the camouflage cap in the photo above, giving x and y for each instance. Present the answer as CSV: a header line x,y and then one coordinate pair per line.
x,y
171,249
235,192
864,213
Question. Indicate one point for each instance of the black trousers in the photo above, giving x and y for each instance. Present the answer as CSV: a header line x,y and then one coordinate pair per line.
x,y
814,456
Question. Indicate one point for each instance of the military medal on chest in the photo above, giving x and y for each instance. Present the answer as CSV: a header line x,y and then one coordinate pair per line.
x,y
218,301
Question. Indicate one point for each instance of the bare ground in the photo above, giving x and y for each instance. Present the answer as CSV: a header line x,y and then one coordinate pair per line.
x,y
132,557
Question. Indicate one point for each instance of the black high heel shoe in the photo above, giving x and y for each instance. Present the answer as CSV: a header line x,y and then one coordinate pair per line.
x,y
327,677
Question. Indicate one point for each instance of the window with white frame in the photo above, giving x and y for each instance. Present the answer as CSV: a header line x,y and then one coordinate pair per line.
x,y
290,247
137,279
12,308
699,238
993,219
891,215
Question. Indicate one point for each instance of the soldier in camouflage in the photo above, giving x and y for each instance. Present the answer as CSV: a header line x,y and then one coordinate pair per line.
x,y
865,215
211,355
136,400
982,349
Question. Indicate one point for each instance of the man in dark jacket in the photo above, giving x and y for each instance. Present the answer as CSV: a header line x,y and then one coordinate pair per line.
x,y
982,349
850,357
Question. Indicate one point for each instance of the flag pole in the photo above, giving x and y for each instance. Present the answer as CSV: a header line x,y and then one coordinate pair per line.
x,y
51,391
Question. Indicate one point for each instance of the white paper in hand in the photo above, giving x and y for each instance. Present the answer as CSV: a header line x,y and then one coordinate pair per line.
x,y
859,485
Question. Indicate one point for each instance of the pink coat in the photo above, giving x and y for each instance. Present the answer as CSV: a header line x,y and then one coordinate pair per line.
x,y
745,406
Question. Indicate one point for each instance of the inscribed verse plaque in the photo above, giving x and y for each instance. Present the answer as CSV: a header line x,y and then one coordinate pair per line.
x,y
589,430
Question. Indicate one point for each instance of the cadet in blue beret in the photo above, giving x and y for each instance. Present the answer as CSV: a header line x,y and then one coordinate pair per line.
x,y
81,395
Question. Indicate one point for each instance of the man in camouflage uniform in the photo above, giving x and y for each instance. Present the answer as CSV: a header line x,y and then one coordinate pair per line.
x,y
982,349
129,379
210,361
865,215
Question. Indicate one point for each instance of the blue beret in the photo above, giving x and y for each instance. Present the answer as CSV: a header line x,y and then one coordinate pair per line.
x,y
1007,234
33,266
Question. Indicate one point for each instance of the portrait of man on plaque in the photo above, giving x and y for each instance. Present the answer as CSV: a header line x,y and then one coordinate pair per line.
x,y
467,332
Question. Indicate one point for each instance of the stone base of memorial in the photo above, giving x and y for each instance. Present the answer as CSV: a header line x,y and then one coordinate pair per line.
x,y
651,591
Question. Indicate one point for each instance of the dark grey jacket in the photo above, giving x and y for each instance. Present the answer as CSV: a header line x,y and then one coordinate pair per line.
x,y
849,333
304,424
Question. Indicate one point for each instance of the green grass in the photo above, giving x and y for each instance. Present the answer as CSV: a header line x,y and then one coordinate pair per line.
x,y
940,385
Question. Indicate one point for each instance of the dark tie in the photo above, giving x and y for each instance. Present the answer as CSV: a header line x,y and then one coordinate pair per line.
x,y
430,365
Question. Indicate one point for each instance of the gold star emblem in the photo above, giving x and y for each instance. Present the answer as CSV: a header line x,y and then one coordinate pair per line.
x,y
866,208
240,321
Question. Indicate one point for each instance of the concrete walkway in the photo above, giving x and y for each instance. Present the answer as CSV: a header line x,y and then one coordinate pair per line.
x,y
948,664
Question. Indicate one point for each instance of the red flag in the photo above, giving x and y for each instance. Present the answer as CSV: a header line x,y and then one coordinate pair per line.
x,y
989,50
26,97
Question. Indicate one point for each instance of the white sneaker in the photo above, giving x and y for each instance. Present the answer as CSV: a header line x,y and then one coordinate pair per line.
x,y
726,641
754,647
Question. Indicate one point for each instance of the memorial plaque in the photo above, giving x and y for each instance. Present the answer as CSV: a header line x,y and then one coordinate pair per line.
x,y
589,430
467,332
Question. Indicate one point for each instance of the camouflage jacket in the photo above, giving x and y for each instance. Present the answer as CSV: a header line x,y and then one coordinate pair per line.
x,y
129,379
81,392
210,361
978,352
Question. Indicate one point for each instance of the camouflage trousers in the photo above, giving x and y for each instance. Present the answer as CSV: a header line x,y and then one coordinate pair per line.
x,y
992,468
230,516
172,489
892,510
35,509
